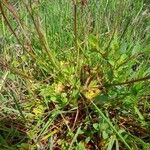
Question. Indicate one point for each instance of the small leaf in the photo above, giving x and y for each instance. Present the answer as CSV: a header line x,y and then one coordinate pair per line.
x,y
24,146
104,134
104,126
87,140
93,41
91,93
102,98
81,146
138,113
38,110
96,126
111,143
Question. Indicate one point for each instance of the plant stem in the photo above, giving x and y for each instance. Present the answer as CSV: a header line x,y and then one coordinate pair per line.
x,y
131,81
75,24
13,32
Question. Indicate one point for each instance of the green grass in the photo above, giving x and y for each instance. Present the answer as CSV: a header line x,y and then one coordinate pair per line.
x,y
74,76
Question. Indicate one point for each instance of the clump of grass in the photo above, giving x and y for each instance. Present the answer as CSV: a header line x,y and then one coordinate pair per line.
x,y
75,74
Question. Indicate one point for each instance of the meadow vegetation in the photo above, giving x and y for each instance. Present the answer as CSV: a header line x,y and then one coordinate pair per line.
x,y
74,75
